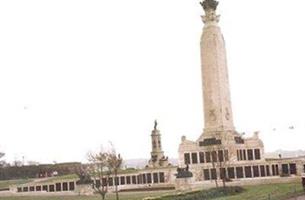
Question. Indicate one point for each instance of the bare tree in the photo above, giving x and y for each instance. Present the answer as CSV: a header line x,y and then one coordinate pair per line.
x,y
224,158
82,171
99,172
114,164
2,162
220,161
223,163
103,165
214,162
221,155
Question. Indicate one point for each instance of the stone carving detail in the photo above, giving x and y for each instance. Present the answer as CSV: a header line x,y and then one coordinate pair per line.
x,y
212,115
210,142
239,140
227,114
154,144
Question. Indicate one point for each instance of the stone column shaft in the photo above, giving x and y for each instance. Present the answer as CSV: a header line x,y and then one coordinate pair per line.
x,y
215,81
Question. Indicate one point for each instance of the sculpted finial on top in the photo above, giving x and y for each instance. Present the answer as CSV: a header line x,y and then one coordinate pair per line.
x,y
210,7
209,4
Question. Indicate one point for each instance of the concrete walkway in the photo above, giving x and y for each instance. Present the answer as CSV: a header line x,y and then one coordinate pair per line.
x,y
298,198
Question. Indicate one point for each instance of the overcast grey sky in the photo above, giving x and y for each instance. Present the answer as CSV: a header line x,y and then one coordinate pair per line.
x,y
75,74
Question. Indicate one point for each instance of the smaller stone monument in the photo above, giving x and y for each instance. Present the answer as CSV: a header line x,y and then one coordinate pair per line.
x,y
157,154
184,179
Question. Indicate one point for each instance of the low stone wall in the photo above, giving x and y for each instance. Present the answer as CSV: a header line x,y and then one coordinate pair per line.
x,y
7,194
64,186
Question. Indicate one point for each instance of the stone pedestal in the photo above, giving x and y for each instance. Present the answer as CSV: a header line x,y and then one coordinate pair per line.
x,y
184,184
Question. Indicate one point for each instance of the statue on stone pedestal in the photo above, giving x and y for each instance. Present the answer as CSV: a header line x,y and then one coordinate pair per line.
x,y
184,172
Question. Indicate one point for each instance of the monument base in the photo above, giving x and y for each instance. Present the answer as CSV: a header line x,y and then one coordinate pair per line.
x,y
184,184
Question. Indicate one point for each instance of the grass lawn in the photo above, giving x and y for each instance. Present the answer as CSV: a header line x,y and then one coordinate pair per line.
x,y
279,191
57,178
261,192
123,196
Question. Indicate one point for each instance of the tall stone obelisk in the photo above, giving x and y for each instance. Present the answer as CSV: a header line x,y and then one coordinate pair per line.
x,y
216,92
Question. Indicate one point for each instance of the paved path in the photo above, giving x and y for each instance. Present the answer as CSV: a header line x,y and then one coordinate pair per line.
x,y
298,198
